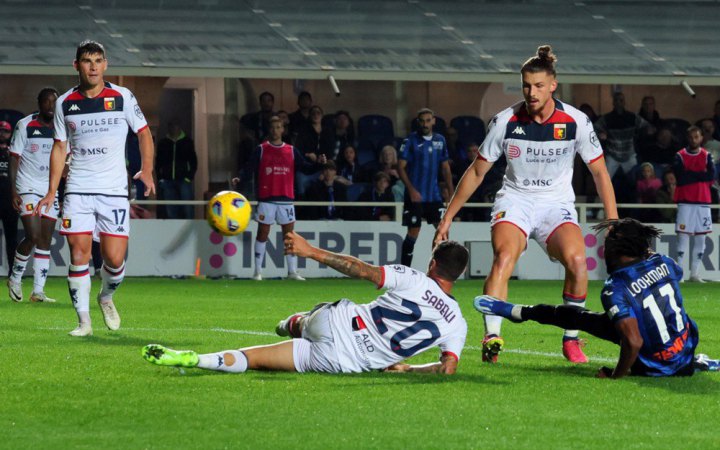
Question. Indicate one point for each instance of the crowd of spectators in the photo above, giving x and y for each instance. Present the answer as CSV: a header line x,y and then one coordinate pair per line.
x,y
362,160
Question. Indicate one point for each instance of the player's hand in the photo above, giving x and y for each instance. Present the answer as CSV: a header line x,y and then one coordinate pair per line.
x,y
16,201
415,196
442,233
44,204
297,245
604,372
398,368
147,179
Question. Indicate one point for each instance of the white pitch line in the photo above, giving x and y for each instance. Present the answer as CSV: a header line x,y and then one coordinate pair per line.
x,y
267,333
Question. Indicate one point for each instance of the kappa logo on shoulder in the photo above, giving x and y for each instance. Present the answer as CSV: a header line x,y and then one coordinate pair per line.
x,y
37,133
519,130
74,107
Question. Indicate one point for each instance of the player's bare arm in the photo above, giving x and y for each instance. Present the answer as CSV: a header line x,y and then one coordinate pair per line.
x,y
630,343
57,166
147,153
446,366
604,186
415,196
470,181
14,164
348,265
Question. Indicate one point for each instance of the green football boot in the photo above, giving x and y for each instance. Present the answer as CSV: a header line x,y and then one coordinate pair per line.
x,y
163,356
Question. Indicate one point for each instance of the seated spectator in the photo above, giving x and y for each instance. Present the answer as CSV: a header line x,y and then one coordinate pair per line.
x,y
327,189
380,192
335,139
589,111
301,118
665,196
461,165
349,171
648,184
287,137
308,143
388,163
648,111
710,144
663,150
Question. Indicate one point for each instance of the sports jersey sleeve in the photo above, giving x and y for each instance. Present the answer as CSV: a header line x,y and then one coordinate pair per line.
x,y
455,343
444,155
405,152
133,114
616,303
19,139
398,277
60,131
492,147
587,144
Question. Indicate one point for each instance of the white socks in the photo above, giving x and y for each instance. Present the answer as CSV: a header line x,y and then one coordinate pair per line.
x,y
492,325
18,267
79,287
683,244
41,266
259,255
291,263
111,279
233,361
697,253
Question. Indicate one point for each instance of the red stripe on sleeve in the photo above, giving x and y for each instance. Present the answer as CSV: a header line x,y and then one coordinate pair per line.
x,y
451,354
382,278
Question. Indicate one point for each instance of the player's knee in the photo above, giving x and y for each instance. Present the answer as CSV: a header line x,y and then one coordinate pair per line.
x,y
503,263
113,261
576,264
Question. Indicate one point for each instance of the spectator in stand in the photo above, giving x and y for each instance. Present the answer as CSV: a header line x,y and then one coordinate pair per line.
x,y
287,136
648,111
327,189
695,174
589,111
618,130
308,143
380,192
259,122
176,164
663,150
665,195
388,163
335,139
246,146
716,120
710,144
301,118
349,171
648,184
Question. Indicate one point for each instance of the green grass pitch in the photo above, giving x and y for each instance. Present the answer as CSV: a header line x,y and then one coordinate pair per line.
x,y
59,392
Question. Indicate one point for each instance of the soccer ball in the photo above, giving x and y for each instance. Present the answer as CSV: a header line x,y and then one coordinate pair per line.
x,y
228,213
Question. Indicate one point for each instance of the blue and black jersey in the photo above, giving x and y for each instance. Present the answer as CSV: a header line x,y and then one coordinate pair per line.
x,y
648,291
424,158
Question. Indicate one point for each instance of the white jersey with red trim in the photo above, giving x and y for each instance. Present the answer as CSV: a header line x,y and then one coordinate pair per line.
x,y
540,156
31,143
413,315
96,130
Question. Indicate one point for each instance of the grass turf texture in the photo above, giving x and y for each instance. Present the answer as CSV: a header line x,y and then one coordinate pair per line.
x,y
97,392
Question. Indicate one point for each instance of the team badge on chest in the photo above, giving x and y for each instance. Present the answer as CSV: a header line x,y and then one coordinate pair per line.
x,y
109,104
559,131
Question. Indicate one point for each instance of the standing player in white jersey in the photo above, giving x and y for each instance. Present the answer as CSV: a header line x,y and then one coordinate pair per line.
x,y
416,313
30,146
540,138
94,118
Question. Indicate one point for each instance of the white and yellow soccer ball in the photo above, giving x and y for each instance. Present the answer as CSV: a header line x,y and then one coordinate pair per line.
x,y
228,213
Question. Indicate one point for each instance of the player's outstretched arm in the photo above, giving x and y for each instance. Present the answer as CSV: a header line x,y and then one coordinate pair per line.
x,y
630,343
349,265
446,366
58,155
604,187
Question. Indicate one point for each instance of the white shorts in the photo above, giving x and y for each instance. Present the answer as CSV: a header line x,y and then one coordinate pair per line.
x,y
29,201
693,219
270,213
316,352
536,219
89,214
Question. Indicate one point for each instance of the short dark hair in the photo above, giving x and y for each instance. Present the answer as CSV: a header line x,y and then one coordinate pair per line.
x,y
263,94
626,237
451,258
425,111
329,165
381,176
304,94
275,119
46,92
694,128
89,47
543,61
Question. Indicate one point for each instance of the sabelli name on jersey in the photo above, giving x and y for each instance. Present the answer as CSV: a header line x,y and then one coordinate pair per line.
x,y
440,305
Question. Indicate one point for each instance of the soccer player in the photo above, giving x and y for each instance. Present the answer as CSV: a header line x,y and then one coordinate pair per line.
x,y
695,173
423,156
539,138
644,311
31,146
274,163
94,118
8,212
416,312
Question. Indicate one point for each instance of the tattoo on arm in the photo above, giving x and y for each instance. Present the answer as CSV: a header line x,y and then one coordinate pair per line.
x,y
351,266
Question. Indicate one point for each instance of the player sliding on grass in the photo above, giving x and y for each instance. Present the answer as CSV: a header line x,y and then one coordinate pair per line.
x,y
644,310
539,138
417,312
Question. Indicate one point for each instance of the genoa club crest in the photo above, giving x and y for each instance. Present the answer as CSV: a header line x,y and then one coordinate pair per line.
x,y
66,223
109,104
559,131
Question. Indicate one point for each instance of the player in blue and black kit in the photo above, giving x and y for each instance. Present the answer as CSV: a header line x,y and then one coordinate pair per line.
x,y
644,310
423,158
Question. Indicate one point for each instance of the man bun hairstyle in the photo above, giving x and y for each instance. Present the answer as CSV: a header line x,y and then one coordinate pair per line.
x,y
543,61
451,258
89,47
626,237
